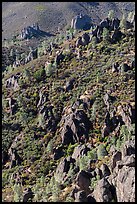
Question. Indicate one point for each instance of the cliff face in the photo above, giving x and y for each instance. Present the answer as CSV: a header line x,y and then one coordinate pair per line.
x,y
68,116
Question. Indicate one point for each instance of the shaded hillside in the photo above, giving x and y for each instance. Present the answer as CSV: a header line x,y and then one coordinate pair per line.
x,y
68,120
51,15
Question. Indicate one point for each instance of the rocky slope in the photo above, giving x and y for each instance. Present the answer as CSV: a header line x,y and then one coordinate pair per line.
x,y
68,118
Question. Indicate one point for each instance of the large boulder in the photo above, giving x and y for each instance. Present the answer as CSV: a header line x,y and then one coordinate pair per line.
x,y
126,111
82,22
85,39
63,168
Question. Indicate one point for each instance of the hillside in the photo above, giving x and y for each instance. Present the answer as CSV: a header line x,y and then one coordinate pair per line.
x,y
51,15
68,116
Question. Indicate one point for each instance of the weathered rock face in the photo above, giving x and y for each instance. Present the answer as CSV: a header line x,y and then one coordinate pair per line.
x,y
83,180
125,184
127,113
123,176
102,191
116,157
75,128
81,22
63,168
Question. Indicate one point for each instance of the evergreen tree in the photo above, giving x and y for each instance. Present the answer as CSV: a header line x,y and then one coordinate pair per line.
x,y
111,14
101,151
105,34
123,22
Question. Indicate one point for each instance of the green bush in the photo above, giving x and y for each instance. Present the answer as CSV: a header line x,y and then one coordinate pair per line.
x,y
39,75
101,151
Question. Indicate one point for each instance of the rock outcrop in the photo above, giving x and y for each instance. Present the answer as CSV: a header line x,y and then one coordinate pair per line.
x,y
81,22
75,128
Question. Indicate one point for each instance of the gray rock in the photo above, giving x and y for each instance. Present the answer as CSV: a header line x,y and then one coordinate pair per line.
x,y
12,82
125,184
75,127
129,161
116,157
83,180
63,168
81,22
80,196
102,191
105,170
128,149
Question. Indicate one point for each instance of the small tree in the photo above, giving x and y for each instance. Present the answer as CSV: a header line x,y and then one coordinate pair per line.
x,y
17,193
101,151
105,34
123,22
50,146
27,74
94,41
111,14
41,120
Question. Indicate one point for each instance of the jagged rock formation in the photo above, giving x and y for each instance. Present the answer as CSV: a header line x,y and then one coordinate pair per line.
x,y
30,31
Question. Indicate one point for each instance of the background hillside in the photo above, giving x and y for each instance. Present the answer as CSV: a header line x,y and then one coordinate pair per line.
x,y
51,15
